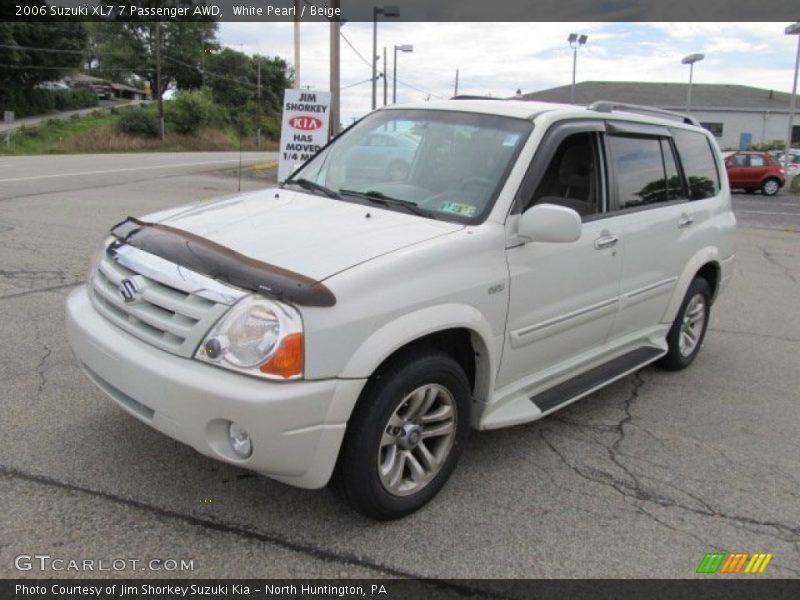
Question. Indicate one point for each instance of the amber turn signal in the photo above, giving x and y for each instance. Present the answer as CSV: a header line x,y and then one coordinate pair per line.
x,y
287,362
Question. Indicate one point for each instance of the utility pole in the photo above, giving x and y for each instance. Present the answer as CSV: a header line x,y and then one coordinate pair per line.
x,y
158,81
335,62
297,44
384,75
455,91
258,107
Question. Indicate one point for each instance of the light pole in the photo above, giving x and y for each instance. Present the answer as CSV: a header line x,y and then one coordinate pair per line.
x,y
792,30
402,48
690,60
575,42
386,11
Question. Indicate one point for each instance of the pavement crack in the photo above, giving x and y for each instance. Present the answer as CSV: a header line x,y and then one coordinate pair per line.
x,y
770,257
631,486
51,288
40,370
245,532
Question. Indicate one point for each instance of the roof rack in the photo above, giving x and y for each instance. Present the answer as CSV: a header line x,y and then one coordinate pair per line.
x,y
608,106
468,97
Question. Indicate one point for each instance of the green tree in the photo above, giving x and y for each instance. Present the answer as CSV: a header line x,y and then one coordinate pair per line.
x,y
126,49
233,78
32,52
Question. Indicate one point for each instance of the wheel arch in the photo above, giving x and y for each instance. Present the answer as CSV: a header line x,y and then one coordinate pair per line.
x,y
705,264
459,330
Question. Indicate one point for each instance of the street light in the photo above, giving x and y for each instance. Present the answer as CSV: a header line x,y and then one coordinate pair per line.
x,y
386,11
690,60
792,30
575,42
402,48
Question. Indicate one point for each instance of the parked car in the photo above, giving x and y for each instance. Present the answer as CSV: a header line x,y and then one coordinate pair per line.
x,y
752,171
380,155
54,86
333,326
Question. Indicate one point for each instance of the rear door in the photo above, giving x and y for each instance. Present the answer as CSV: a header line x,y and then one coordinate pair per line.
x,y
757,169
649,197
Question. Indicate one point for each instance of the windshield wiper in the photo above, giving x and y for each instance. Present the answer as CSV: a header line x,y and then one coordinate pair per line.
x,y
314,187
377,197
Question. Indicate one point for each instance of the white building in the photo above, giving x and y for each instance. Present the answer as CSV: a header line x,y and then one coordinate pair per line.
x,y
740,116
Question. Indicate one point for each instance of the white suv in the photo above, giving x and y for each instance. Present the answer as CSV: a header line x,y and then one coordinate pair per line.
x,y
486,264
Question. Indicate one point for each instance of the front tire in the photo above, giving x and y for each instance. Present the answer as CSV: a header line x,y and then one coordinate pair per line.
x,y
686,335
406,435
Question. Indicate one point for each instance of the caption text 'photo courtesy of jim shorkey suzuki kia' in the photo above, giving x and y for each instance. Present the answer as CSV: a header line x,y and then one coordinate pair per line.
x,y
441,267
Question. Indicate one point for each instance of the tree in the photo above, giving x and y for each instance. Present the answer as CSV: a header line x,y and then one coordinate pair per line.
x,y
28,61
233,78
129,49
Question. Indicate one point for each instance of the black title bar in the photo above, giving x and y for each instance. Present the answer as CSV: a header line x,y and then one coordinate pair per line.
x,y
409,10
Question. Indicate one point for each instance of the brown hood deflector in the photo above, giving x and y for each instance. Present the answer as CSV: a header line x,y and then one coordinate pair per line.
x,y
223,264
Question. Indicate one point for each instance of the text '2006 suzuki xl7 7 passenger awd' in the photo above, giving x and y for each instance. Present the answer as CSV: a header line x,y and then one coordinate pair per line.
x,y
486,264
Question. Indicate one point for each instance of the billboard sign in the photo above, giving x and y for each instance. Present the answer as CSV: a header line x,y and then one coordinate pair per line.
x,y
304,129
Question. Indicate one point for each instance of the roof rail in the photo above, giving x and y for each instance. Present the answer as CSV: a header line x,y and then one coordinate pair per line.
x,y
609,106
468,97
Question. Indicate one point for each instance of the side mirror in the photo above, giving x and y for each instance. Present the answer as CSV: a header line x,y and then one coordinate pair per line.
x,y
550,223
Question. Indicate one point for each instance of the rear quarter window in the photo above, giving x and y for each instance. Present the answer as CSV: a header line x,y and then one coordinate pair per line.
x,y
699,163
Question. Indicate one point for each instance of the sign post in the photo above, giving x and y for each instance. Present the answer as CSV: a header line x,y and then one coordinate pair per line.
x,y
304,129
8,119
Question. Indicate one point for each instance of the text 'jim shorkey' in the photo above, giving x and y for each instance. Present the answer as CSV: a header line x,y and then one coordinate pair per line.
x,y
735,562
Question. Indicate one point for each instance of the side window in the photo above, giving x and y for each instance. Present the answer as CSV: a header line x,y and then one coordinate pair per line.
x,y
757,161
572,177
739,160
639,167
698,162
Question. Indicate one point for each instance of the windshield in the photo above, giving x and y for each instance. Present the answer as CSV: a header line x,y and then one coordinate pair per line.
x,y
440,164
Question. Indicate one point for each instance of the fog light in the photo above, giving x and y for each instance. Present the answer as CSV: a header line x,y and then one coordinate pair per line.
x,y
240,441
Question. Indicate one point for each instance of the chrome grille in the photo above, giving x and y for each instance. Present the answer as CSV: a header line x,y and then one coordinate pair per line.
x,y
170,307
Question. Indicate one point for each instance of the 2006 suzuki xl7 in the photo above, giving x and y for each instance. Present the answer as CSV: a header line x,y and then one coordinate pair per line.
x,y
363,316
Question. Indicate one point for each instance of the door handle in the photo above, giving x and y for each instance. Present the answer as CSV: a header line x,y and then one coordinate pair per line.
x,y
685,221
607,241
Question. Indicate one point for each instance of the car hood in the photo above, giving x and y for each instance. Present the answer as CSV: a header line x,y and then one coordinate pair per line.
x,y
314,236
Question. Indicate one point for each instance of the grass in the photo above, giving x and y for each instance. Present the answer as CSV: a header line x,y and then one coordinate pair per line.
x,y
98,133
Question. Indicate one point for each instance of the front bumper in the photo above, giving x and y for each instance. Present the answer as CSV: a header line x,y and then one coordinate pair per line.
x,y
296,427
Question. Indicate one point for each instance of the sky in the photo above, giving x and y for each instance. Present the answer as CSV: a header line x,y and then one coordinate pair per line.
x,y
499,58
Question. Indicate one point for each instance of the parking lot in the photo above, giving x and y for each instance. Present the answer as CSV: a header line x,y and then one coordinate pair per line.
x,y
638,480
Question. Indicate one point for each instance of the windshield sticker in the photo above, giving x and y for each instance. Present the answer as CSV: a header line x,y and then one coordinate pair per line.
x,y
465,210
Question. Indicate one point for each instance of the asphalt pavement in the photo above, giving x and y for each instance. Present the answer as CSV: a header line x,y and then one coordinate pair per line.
x,y
640,479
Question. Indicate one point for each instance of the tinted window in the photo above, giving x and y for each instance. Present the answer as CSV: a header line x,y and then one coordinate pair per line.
x,y
715,128
639,168
698,163
739,160
757,161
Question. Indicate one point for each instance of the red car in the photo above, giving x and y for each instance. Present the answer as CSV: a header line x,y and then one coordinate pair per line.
x,y
752,171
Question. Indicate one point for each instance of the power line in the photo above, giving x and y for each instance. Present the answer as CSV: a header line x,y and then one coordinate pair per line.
x,y
344,87
353,48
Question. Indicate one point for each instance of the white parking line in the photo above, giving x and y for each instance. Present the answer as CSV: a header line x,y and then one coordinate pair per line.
x,y
129,169
766,212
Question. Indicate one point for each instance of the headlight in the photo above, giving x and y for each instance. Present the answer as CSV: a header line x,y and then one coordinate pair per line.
x,y
257,336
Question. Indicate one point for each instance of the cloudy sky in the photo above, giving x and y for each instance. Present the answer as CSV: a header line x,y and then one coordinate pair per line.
x,y
499,58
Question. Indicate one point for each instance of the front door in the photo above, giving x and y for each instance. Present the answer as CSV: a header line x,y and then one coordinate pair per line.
x,y
563,296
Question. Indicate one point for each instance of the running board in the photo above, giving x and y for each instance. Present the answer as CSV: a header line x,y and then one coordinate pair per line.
x,y
580,385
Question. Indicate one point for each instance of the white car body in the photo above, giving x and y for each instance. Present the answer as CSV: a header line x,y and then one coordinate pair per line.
x,y
538,316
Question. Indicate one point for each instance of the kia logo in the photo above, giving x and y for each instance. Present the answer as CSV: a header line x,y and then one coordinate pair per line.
x,y
130,289
305,123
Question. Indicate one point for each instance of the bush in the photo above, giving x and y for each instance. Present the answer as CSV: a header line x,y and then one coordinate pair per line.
x,y
189,112
138,121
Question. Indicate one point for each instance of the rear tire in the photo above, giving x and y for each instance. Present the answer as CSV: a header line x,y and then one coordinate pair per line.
x,y
686,335
770,187
406,435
